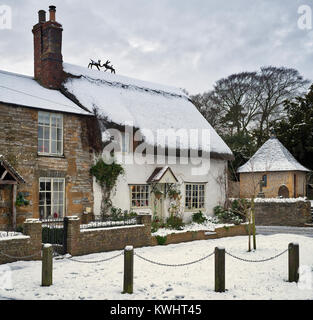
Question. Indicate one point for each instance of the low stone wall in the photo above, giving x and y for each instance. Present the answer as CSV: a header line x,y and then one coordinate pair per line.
x,y
295,214
231,231
86,241
25,245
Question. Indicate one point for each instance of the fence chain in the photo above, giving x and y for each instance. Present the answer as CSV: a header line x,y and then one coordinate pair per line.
x,y
95,261
262,260
21,258
173,265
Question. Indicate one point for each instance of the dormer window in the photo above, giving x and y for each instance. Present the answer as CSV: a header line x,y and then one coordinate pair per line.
x,y
50,134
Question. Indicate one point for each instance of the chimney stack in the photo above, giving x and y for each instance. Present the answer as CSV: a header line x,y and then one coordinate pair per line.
x,y
52,13
48,68
41,16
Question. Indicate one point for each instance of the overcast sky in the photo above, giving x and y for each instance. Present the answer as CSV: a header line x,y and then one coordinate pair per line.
x,y
183,43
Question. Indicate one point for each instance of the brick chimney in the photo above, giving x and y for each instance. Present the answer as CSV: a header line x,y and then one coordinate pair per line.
x,y
48,69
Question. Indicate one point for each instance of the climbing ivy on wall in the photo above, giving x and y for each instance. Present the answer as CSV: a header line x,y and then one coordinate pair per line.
x,y
106,175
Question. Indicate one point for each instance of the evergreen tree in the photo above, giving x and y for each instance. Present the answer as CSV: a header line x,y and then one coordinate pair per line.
x,y
296,130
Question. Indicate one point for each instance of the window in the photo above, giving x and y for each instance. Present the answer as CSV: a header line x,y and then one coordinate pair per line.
x,y
194,196
50,133
264,179
51,197
140,195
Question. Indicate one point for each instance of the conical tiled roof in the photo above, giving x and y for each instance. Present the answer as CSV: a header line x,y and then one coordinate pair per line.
x,y
272,156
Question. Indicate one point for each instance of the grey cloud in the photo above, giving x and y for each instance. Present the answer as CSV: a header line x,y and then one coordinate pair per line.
x,y
188,44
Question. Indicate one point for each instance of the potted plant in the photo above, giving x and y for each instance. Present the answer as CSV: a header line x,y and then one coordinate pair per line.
x,y
158,194
173,193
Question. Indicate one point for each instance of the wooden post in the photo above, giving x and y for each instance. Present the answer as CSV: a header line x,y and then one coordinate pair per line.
x,y
293,262
46,273
65,233
219,269
128,269
14,191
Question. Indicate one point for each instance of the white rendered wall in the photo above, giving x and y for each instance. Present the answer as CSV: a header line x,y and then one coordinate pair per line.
x,y
213,173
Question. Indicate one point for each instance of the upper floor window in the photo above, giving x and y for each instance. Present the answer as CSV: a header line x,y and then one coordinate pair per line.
x,y
194,196
50,133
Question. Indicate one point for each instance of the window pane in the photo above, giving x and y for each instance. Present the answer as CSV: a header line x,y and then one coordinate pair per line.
x,y
53,133
46,131
53,146
41,146
59,147
59,134
40,132
46,146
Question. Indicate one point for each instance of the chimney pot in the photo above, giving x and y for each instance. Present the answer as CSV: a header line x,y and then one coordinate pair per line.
x,y
52,13
41,16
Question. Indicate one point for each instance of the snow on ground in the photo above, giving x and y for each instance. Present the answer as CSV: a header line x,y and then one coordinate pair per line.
x,y
104,280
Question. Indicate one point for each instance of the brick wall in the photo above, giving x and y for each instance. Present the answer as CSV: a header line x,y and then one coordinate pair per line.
x,y
18,142
282,213
21,246
80,242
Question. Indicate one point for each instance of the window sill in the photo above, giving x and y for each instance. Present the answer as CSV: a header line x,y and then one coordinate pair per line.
x,y
51,155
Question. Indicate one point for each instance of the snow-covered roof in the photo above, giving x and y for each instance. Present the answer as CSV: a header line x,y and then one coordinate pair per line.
x,y
272,156
25,91
158,173
145,105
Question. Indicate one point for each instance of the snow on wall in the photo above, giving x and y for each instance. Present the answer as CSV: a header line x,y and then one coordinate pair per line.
x,y
272,156
146,106
25,91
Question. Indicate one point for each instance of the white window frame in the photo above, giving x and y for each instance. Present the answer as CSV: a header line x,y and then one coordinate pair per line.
x,y
52,191
193,189
51,115
140,199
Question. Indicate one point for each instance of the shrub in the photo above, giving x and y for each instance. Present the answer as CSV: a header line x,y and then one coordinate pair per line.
x,y
199,217
175,222
227,216
161,240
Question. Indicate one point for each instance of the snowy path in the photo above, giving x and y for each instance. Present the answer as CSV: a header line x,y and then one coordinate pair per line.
x,y
265,230
266,280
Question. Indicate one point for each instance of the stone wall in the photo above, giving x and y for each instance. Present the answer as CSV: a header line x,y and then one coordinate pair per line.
x,y
23,245
282,213
249,183
18,143
86,241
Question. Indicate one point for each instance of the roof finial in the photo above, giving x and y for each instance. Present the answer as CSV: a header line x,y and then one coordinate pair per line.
x,y
273,134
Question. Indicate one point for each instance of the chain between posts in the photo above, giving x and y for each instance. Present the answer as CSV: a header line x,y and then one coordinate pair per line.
x,y
21,258
262,260
173,265
95,261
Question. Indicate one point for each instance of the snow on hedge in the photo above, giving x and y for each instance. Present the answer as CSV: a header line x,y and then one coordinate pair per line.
x,y
149,107
103,280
